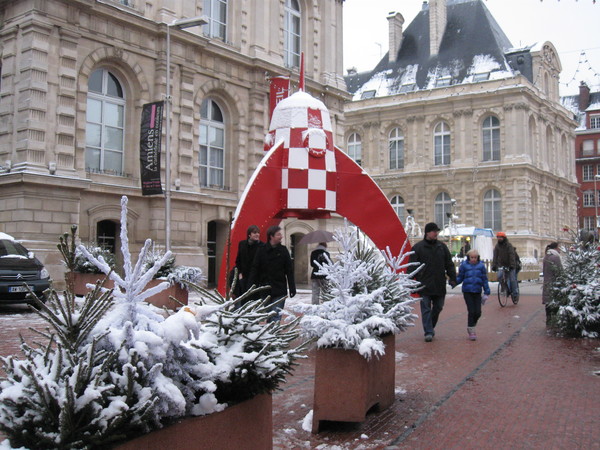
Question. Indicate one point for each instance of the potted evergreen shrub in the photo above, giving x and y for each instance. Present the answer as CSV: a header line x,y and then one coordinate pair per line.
x,y
366,302
82,274
178,277
114,368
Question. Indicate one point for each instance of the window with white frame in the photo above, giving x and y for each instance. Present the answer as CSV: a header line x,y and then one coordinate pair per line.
x,y
398,205
442,209
588,172
491,139
595,121
588,147
588,198
441,137
589,223
216,11
396,146
355,148
291,32
492,210
105,124
598,169
212,146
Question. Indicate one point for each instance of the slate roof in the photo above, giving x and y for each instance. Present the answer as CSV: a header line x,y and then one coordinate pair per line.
x,y
471,35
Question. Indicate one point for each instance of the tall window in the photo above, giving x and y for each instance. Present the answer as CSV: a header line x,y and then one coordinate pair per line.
x,y
492,210
291,31
442,208
589,223
216,11
396,144
588,172
588,147
212,146
491,139
105,124
588,199
398,205
441,136
595,121
355,148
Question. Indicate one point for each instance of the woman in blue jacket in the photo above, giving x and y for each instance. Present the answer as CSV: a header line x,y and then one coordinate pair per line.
x,y
473,276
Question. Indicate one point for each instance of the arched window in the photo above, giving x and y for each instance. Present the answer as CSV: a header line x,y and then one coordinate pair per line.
x,y
398,205
216,11
212,146
396,145
442,208
355,148
441,136
492,210
491,139
105,124
291,32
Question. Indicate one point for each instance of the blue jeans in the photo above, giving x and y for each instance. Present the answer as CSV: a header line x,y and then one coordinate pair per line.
x,y
511,281
431,307
276,304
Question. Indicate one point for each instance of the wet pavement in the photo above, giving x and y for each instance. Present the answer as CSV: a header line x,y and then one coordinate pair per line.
x,y
518,386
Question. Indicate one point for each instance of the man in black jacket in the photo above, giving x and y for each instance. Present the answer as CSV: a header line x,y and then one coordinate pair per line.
x,y
437,261
272,266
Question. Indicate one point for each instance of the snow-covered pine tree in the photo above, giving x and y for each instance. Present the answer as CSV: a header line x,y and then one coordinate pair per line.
x,y
63,394
368,295
576,291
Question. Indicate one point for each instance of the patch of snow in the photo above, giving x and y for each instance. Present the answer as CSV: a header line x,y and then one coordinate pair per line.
x,y
307,421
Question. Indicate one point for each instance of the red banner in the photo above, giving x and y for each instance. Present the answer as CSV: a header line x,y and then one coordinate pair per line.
x,y
280,89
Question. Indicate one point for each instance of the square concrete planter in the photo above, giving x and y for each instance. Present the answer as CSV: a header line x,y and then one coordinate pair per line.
x,y
247,425
162,299
80,280
347,385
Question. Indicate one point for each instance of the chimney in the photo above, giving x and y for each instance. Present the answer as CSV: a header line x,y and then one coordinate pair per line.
x,y
437,25
395,22
584,96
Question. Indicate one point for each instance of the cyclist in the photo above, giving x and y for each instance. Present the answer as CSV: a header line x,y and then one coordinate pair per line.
x,y
505,256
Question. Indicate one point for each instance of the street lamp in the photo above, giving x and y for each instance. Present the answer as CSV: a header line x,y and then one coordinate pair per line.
x,y
180,24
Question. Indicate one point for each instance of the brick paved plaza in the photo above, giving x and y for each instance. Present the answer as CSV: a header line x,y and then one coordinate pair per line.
x,y
516,387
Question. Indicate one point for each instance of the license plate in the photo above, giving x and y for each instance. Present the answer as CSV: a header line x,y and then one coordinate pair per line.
x,y
18,289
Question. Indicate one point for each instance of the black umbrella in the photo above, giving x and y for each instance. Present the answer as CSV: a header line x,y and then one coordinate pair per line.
x,y
314,237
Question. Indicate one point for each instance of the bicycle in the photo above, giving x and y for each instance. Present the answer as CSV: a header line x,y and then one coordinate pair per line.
x,y
504,290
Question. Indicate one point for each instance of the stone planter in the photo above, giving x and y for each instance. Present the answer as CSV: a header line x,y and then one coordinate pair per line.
x,y
80,280
162,298
348,385
247,425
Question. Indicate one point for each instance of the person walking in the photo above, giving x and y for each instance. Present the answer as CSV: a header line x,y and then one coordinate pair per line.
x,y
473,276
552,267
272,266
245,257
318,255
505,259
437,261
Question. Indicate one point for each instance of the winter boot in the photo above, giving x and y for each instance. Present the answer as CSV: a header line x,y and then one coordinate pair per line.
x,y
472,335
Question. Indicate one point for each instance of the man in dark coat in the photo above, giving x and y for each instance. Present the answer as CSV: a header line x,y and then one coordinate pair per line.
x,y
437,261
318,255
505,256
245,257
272,266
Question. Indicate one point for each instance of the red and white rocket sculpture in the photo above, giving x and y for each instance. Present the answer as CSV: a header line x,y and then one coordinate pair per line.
x,y
304,175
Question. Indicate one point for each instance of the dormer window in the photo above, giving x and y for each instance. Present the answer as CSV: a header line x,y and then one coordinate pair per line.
x,y
443,81
481,77
367,94
408,87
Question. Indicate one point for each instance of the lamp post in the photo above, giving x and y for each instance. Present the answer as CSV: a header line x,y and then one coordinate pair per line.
x,y
180,24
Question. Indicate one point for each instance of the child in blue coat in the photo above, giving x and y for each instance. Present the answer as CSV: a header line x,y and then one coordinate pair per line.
x,y
473,276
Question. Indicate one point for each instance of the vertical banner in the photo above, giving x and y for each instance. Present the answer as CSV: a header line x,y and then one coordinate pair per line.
x,y
150,136
280,89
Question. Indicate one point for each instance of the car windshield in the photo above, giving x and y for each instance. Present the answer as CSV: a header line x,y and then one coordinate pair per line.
x,y
12,249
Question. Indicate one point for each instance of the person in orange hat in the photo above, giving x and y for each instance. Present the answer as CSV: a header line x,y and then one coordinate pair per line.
x,y
505,259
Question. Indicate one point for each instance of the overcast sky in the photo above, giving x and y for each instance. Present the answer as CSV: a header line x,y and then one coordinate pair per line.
x,y
571,25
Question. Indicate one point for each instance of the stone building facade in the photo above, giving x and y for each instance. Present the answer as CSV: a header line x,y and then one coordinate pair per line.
x,y
74,77
458,123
